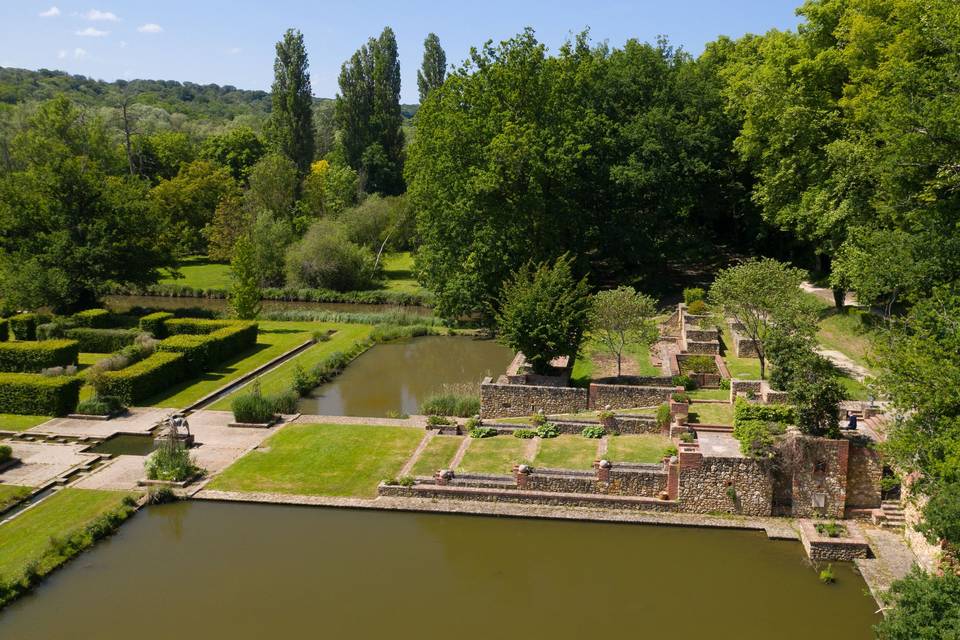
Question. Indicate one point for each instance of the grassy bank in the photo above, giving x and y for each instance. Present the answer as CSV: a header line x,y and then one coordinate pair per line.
x,y
323,459
12,422
437,455
644,448
567,452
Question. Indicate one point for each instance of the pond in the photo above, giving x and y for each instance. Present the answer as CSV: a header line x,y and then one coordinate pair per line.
x,y
222,570
398,376
122,304
126,444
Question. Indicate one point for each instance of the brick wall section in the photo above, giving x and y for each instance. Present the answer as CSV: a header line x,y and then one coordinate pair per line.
x,y
823,472
864,472
622,396
704,484
507,400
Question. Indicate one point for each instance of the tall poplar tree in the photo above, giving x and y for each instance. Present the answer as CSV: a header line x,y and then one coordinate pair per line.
x,y
291,120
434,68
368,114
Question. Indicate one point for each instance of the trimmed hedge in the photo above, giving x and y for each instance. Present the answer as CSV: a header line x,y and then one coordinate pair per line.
x,y
203,352
102,340
195,326
782,413
155,323
37,356
146,378
4,330
35,394
24,326
93,319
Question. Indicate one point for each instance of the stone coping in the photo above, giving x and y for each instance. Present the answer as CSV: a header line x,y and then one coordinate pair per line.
x,y
846,548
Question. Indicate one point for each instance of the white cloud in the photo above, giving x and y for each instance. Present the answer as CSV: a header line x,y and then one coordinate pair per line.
x,y
150,27
79,53
96,14
62,54
234,50
90,32
52,12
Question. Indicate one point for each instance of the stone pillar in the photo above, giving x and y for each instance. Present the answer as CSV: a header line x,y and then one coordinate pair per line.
x,y
443,477
673,478
603,470
521,473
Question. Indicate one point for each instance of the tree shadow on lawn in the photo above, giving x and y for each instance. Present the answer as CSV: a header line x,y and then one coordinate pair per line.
x,y
223,369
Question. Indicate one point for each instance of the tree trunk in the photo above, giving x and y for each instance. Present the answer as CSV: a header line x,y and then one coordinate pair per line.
x,y
619,356
763,366
839,298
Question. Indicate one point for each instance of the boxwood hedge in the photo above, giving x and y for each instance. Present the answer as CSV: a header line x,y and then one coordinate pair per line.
x,y
102,340
195,326
146,378
203,352
35,394
37,356
782,413
93,318
155,323
24,326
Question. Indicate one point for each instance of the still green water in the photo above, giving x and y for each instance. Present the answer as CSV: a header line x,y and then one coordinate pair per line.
x,y
236,572
398,376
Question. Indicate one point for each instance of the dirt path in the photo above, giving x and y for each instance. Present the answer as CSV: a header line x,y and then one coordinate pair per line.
x,y
427,437
845,364
826,294
605,365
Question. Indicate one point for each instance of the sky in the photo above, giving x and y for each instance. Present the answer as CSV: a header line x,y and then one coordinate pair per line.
x,y
231,42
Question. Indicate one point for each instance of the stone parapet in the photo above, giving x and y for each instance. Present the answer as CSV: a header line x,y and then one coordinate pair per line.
x,y
511,401
622,396
820,547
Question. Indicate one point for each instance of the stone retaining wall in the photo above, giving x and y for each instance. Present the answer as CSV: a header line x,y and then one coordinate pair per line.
x,y
742,346
705,484
851,547
820,484
622,396
510,401
703,348
864,473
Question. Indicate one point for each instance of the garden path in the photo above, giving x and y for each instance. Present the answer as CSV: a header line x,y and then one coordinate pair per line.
x,y
408,466
462,451
892,559
845,364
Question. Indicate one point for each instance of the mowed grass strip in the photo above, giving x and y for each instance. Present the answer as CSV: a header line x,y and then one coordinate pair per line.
x,y
740,368
279,380
437,455
27,536
274,339
567,452
322,459
14,422
639,448
711,413
11,494
494,455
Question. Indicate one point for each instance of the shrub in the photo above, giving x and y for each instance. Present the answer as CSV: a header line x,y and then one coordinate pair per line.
x,y
699,364
6,453
451,403
524,434
36,356
782,413
686,382
697,308
671,451
941,515
688,437
93,318
204,351
472,423
926,606
438,421
681,397
663,416
831,529
101,340
693,294
538,419
195,326
326,259
4,330
285,403
155,323
483,432
24,326
725,383
253,408
756,439
827,576
548,430
29,393
403,481
171,462
593,432
100,406
143,379
53,330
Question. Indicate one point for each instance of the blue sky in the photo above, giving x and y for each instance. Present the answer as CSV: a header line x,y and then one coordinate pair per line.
x,y
231,42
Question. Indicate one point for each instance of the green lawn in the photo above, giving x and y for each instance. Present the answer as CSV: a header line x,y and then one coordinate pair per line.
x,y
855,389
639,448
398,269
740,368
847,333
322,459
494,455
200,273
12,422
711,413
586,366
438,455
274,339
11,494
567,452
710,394
25,538
279,379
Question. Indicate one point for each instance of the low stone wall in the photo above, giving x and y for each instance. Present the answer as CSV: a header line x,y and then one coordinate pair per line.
x,y
511,401
562,481
633,425
703,348
864,473
819,547
742,346
702,335
637,381
622,396
636,480
727,485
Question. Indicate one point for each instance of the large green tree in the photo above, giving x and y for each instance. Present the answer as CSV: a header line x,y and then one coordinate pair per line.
x,y
72,219
368,114
291,119
434,67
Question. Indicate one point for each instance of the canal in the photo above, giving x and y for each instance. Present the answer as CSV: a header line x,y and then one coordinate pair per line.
x,y
239,571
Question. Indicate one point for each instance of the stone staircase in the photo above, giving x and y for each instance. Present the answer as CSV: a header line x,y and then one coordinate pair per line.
x,y
892,515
